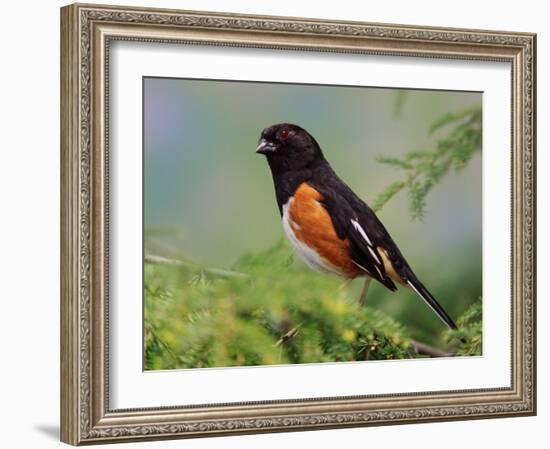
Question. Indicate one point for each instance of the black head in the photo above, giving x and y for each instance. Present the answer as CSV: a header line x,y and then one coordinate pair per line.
x,y
289,147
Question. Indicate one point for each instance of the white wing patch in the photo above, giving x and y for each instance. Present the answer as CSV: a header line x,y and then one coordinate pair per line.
x,y
311,257
374,255
361,231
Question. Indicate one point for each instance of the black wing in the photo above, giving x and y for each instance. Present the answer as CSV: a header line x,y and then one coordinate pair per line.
x,y
354,219
351,218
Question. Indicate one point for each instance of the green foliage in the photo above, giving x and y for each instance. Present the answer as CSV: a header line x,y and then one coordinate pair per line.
x,y
388,194
280,313
425,169
469,331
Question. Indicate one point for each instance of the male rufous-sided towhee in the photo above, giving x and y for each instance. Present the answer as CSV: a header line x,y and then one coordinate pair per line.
x,y
328,225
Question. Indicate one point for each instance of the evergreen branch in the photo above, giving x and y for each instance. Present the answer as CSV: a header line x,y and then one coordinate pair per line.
x,y
217,272
449,118
388,194
469,331
424,169
395,161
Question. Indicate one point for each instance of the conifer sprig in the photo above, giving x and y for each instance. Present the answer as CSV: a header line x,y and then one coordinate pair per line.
x,y
424,169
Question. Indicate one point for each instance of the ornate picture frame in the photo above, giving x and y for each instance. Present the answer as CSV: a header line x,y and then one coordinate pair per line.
x,y
87,31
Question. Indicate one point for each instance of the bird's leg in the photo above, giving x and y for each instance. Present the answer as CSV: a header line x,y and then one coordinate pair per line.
x,y
345,284
364,291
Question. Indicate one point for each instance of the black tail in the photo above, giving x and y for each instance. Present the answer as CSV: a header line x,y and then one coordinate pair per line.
x,y
423,292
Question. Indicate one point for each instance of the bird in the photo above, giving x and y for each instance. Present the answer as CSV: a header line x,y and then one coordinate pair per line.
x,y
330,227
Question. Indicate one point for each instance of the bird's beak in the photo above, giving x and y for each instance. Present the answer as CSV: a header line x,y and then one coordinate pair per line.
x,y
265,147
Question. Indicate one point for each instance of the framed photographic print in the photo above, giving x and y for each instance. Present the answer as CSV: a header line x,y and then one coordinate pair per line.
x,y
279,224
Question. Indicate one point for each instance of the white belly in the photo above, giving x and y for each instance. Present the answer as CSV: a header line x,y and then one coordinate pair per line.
x,y
310,257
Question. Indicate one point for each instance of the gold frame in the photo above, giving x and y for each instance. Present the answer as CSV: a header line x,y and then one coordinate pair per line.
x,y
86,31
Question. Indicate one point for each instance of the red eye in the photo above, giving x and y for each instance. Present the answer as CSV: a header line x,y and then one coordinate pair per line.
x,y
284,134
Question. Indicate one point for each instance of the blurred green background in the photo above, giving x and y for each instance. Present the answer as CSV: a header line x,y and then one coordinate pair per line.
x,y
209,201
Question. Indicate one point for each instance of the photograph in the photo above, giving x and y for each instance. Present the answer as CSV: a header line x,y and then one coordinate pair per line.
x,y
288,223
